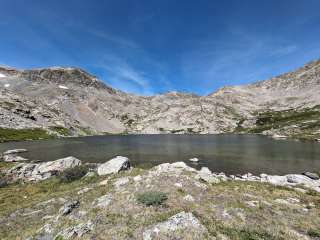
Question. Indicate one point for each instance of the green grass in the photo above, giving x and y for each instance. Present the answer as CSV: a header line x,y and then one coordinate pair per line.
x,y
11,196
72,174
288,116
314,233
60,130
7,134
307,120
152,198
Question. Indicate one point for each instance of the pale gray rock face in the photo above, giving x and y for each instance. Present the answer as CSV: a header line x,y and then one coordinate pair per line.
x,y
14,151
194,160
121,182
189,198
75,100
103,201
311,175
114,165
180,223
58,165
42,171
174,168
76,231
209,178
13,158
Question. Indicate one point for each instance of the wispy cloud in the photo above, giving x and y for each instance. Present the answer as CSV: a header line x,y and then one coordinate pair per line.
x,y
120,41
120,74
217,63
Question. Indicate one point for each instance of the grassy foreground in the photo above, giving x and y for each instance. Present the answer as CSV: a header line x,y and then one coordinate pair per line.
x,y
228,210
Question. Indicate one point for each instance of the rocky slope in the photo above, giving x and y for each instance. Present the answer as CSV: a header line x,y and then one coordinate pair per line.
x,y
69,101
116,201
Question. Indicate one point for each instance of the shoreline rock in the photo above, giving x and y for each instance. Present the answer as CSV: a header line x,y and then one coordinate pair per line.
x,y
41,171
15,151
13,158
45,170
195,160
114,165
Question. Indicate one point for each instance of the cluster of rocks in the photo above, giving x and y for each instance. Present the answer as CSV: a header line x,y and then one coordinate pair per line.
x,y
183,225
30,171
307,180
44,170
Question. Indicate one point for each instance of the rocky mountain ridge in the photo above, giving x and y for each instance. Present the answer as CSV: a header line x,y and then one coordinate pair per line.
x,y
72,102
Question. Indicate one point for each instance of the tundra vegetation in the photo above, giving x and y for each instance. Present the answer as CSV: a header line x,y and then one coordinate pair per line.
x,y
169,201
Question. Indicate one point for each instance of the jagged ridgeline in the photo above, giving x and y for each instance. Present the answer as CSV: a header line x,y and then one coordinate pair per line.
x,y
44,103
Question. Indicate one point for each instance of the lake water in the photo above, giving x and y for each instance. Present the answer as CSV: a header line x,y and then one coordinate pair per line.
x,y
227,153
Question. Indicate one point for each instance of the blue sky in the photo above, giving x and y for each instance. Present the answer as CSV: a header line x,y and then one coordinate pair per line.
x,y
148,47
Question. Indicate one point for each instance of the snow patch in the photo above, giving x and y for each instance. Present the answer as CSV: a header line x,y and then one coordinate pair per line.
x,y
7,85
2,75
63,87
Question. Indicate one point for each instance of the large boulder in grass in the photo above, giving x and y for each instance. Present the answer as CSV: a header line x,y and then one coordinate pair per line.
x,y
42,171
58,165
114,165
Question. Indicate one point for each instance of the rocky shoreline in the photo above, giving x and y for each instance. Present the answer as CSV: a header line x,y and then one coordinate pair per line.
x,y
44,170
104,202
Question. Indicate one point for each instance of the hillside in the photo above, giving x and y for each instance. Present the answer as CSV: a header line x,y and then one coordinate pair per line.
x,y
71,102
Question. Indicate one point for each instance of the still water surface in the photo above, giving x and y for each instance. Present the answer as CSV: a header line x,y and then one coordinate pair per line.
x,y
227,153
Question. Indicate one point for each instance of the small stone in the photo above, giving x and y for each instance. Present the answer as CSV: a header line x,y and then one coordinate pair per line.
x,y
194,160
103,201
206,175
68,207
89,175
179,185
252,203
137,178
121,181
104,182
84,190
205,170
189,198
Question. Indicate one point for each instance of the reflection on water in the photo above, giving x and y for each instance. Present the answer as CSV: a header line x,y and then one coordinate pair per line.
x,y
226,153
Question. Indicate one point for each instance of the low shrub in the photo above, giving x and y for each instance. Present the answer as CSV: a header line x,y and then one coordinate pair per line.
x,y
3,180
72,174
7,134
314,233
152,198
